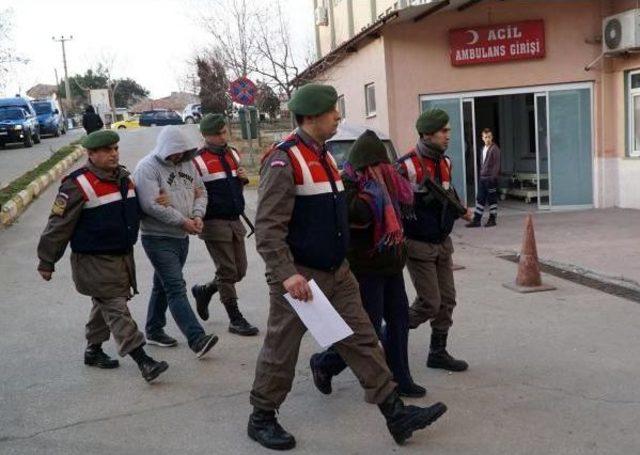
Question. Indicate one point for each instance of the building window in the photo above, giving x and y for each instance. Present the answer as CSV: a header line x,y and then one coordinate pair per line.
x,y
341,107
370,99
634,113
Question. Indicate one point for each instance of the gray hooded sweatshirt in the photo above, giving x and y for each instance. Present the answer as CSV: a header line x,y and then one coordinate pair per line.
x,y
179,181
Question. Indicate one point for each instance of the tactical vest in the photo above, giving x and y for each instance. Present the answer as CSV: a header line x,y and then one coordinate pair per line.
x,y
432,223
110,216
319,229
224,187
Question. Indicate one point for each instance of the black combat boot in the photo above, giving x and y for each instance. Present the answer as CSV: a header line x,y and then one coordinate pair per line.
x,y
237,323
491,221
403,420
439,357
321,378
475,222
203,293
264,428
94,356
149,368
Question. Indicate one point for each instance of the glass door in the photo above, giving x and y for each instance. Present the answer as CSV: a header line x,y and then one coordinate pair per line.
x,y
470,150
542,152
456,151
571,148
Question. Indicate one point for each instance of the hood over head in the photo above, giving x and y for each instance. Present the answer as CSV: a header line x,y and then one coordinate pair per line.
x,y
172,140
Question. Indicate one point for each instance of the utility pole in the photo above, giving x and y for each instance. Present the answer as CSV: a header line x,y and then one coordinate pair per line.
x,y
67,87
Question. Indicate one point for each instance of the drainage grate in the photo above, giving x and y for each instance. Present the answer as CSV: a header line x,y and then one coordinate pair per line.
x,y
588,281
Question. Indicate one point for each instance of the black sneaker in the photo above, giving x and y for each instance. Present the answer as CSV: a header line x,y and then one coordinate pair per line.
x,y
202,346
161,339
321,379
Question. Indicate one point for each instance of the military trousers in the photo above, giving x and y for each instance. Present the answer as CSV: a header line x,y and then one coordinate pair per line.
x,y
275,369
225,242
430,266
111,316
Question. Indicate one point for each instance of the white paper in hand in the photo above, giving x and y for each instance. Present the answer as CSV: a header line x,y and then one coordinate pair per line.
x,y
319,316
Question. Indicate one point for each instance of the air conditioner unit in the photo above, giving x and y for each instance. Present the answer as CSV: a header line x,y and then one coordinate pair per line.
x,y
621,32
322,16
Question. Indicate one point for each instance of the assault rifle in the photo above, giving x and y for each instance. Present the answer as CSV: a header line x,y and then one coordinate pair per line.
x,y
446,198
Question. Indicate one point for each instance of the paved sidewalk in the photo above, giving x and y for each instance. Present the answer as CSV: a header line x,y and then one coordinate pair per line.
x,y
604,241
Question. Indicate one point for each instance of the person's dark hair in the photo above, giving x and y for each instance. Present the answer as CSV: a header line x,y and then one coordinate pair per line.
x,y
487,131
299,119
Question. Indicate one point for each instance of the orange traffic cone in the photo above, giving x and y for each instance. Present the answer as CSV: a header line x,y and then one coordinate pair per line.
x,y
528,278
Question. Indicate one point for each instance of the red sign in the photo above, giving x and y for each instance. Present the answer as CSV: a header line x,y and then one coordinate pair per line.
x,y
497,43
243,91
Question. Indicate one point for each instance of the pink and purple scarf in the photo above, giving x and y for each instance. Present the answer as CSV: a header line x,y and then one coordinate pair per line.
x,y
388,195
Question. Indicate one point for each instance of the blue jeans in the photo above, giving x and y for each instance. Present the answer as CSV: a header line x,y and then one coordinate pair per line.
x,y
384,298
168,255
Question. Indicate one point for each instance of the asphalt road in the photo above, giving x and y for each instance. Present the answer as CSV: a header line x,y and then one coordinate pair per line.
x,y
15,159
551,373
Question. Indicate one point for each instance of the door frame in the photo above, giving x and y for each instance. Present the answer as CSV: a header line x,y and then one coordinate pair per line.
x,y
533,89
474,145
545,96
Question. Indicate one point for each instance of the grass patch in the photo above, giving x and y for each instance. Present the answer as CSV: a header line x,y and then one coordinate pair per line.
x,y
25,179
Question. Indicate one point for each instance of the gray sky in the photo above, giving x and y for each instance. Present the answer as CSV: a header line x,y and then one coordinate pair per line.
x,y
149,40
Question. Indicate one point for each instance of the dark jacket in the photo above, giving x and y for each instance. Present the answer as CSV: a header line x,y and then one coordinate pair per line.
x,y
218,167
106,227
293,228
96,275
362,257
491,164
91,121
433,222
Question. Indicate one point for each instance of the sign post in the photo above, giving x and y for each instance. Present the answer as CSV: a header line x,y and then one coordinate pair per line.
x,y
243,91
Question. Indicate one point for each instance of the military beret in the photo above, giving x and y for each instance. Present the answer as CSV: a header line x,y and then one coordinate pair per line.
x,y
313,99
212,123
100,138
431,121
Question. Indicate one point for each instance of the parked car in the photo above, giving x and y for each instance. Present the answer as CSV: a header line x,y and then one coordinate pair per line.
x,y
49,117
131,123
18,125
192,113
18,101
160,117
340,144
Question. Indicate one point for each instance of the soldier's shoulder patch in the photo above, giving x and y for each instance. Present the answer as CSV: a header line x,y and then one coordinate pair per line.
x,y
278,163
60,204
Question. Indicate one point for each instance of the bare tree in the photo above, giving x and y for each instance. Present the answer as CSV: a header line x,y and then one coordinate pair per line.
x,y
275,57
231,26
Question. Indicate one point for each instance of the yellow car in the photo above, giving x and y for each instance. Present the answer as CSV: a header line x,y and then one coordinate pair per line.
x,y
131,123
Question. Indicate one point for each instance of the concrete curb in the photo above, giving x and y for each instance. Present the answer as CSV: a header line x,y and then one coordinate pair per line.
x,y
12,209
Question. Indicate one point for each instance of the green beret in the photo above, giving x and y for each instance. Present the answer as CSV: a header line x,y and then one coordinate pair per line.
x,y
212,124
432,121
99,139
367,150
313,99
